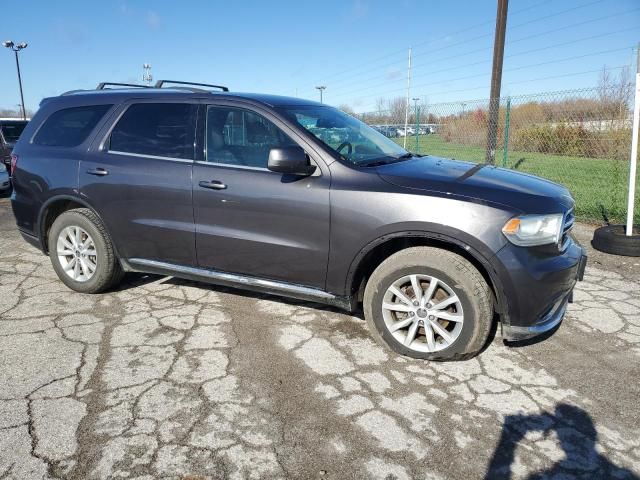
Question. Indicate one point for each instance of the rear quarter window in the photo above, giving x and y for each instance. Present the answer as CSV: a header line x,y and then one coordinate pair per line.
x,y
156,129
69,127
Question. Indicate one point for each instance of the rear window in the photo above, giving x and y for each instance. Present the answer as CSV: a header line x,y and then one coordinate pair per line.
x,y
70,126
156,129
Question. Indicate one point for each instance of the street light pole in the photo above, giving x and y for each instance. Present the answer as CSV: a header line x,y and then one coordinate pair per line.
x,y
321,88
16,49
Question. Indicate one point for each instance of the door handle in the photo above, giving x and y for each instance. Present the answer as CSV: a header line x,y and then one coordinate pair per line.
x,y
213,184
99,172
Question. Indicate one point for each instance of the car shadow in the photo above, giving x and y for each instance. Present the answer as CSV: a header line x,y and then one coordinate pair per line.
x,y
577,435
534,340
258,295
133,280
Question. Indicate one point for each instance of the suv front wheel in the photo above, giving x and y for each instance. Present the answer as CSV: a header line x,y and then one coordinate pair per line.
x,y
81,252
429,303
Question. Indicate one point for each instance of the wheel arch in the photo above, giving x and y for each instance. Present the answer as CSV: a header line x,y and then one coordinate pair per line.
x,y
53,208
376,251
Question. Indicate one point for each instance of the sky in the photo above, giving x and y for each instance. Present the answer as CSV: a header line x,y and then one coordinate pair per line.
x,y
357,48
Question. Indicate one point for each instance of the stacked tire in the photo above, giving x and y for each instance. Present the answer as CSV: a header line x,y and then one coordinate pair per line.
x,y
613,239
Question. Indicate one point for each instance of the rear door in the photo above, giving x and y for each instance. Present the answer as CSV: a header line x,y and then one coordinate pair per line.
x,y
138,178
250,220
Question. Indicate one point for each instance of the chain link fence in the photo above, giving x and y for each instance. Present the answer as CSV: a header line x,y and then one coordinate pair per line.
x,y
578,138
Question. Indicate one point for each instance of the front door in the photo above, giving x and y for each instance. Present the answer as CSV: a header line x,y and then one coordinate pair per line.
x,y
139,181
250,220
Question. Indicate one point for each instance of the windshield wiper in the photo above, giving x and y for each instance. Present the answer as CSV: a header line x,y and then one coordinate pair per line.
x,y
388,160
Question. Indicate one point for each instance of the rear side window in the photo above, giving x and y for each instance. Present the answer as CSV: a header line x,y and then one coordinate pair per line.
x,y
156,129
70,126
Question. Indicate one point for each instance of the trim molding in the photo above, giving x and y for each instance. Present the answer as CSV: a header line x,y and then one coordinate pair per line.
x,y
154,157
242,281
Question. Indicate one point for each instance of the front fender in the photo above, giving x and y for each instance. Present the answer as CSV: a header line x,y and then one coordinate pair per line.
x,y
440,235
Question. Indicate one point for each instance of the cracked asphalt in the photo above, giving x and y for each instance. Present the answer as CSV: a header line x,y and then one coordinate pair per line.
x,y
165,378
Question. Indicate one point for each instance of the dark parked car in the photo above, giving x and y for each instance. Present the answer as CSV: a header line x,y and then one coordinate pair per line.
x,y
242,190
389,131
10,130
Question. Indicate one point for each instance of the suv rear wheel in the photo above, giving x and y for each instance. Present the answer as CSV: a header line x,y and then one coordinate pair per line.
x,y
81,252
429,303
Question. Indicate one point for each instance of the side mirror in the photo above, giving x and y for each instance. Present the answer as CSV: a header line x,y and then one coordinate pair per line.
x,y
290,160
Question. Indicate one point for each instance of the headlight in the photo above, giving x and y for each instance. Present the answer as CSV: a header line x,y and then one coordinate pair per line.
x,y
530,230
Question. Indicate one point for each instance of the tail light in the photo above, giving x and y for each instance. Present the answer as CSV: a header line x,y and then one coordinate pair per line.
x,y
14,164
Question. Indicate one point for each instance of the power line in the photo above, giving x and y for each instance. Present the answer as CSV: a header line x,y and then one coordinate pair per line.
x,y
466,29
480,62
578,24
449,57
562,12
530,80
508,70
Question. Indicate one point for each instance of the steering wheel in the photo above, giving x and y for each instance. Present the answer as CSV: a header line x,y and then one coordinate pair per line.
x,y
345,144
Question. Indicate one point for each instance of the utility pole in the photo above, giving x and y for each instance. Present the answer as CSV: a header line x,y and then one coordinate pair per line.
x,y
406,110
496,80
321,88
16,49
417,113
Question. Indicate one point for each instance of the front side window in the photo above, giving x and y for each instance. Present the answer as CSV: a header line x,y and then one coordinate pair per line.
x,y
69,127
240,137
351,139
156,129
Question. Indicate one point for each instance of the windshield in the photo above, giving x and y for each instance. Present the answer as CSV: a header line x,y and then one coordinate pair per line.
x,y
350,138
11,131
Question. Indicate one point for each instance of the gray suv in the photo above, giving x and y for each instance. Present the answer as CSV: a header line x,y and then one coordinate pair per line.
x,y
259,192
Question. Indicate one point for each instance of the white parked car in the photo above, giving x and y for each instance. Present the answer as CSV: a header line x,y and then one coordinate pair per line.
x,y
4,178
410,131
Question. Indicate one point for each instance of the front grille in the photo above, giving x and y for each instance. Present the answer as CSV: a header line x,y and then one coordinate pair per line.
x,y
569,219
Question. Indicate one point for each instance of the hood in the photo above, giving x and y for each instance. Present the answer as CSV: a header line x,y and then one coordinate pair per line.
x,y
483,183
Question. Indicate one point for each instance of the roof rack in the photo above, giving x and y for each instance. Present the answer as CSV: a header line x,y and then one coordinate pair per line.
x,y
160,83
103,85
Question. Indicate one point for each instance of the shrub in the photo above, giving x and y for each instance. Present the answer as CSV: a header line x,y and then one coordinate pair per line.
x,y
572,140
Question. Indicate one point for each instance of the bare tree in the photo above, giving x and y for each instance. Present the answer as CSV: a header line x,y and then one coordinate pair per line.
x,y
615,93
397,108
14,113
347,109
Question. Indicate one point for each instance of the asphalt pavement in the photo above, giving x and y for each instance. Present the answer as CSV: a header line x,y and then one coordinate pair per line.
x,y
165,378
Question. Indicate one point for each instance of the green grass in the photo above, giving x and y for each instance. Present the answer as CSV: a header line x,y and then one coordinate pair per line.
x,y
592,181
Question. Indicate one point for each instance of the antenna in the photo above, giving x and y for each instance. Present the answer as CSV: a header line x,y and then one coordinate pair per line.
x,y
146,73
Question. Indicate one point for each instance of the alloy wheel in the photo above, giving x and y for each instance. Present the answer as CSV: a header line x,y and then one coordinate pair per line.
x,y
422,312
77,253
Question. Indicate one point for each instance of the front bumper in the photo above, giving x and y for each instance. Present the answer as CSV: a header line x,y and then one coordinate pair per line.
x,y
513,333
539,289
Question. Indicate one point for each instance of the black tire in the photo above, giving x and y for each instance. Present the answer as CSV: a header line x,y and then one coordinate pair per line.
x,y
108,271
464,279
612,239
